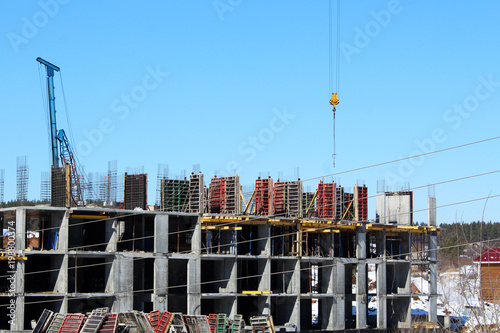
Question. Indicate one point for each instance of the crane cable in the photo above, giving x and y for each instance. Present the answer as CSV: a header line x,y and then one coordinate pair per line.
x,y
334,100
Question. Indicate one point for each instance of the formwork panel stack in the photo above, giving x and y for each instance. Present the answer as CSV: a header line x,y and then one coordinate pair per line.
x,y
196,193
216,194
287,198
264,196
232,195
326,200
225,195
361,203
340,206
135,193
174,195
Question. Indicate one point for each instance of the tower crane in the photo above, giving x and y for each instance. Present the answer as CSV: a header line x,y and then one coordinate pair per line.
x,y
61,148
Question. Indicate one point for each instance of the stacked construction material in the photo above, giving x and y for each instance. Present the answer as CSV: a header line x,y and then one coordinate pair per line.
x,y
135,194
263,196
225,195
288,198
174,195
196,193
361,203
326,200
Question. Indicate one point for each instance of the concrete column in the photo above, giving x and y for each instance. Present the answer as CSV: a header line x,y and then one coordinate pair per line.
x,y
61,285
161,233
433,277
63,236
339,290
20,229
265,240
17,323
196,238
264,305
230,269
123,283
328,313
265,279
160,300
381,281
194,288
361,283
111,234
381,294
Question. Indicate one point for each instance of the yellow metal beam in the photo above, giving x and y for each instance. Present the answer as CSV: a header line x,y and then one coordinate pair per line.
x,y
92,217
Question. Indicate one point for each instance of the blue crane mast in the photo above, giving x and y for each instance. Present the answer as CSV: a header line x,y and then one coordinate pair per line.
x,y
59,141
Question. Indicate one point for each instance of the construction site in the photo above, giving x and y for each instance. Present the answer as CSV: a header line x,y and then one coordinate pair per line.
x,y
208,257
300,257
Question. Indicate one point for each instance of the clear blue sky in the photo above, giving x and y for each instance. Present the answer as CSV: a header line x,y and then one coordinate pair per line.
x,y
245,85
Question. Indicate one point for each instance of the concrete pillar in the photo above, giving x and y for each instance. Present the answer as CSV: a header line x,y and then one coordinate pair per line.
x,y
431,212
111,234
381,294
230,270
20,229
294,288
17,323
265,279
61,285
433,277
63,236
264,242
381,281
339,294
160,300
161,233
196,238
123,283
361,283
328,312
264,305
193,287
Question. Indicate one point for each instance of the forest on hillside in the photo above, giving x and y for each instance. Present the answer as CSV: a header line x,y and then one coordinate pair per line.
x,y
465,241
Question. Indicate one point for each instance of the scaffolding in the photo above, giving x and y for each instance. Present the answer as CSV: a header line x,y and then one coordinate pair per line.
x,y
22,179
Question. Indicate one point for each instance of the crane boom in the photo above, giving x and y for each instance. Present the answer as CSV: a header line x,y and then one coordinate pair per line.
x,y
61,149
52,109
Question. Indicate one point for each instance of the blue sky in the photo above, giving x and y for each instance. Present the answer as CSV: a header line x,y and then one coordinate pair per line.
x,y
244,85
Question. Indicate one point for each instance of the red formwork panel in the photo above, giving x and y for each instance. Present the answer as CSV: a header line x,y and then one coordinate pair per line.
x,y
263,196
362,204
217,195
279,204
326,200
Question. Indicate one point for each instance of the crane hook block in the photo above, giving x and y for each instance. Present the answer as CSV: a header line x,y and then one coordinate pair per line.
x,y
334,101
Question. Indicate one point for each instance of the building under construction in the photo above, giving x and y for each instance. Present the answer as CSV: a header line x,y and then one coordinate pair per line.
x,y
301,257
